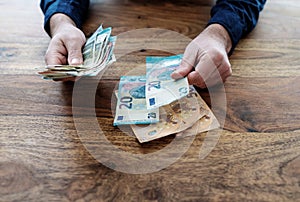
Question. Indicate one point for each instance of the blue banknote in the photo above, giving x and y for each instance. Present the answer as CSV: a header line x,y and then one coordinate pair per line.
x,y
131,105
161,89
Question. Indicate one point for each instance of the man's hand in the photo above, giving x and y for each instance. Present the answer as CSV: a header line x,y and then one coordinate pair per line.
x,y
205,61
67,41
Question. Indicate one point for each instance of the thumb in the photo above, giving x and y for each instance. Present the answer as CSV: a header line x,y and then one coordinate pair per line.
x,y
184,69
75,56
74,48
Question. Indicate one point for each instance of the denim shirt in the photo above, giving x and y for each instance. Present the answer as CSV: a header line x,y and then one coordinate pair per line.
x,y
75,9
238,17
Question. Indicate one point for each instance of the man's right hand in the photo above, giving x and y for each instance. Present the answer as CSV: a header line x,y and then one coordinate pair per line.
x,y
66,42
205,61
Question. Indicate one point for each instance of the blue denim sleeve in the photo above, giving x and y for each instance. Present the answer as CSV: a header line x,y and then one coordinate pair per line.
x,y
75,9
237,17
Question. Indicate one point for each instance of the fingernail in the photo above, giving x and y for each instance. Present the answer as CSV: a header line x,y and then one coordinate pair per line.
x,y
176,75
173,75
75,61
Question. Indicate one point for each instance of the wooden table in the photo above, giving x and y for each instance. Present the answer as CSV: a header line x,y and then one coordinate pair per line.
x,y
257,157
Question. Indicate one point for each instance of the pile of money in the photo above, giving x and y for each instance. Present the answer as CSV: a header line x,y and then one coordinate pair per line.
x,y
155,105
97,55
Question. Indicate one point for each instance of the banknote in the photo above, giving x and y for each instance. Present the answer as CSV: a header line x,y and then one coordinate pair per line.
x,y
174,117
107,59
161,89
97,55
204,124
131,104
101,42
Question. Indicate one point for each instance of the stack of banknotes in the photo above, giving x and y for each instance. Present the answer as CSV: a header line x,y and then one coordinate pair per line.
x,y
97,54
155,105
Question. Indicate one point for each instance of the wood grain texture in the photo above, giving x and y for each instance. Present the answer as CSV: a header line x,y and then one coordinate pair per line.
x,y
243,166
266,58
257,157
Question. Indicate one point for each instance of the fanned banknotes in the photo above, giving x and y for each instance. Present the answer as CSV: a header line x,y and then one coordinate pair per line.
x,y
161,89
131,105
97,55
189,113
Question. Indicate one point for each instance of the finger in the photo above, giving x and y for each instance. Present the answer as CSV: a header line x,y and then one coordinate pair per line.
x,y
218,75
205,67
226,75
223,71
74,48
55,59
75,56
225,66
208,67
56,53
218,78
183,70
187,63
221,74
194,78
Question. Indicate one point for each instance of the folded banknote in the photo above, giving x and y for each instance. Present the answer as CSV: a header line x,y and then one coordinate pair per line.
x,y
175,117
161,89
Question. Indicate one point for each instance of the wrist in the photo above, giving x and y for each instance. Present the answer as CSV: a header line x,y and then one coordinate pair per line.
x,y
219,33
58,21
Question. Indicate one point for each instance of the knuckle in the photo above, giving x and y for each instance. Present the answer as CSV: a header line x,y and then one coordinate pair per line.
x,y
229,71
217,55
227,68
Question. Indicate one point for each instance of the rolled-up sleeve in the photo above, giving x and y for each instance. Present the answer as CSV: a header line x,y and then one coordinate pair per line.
x,y
75,9
237,17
